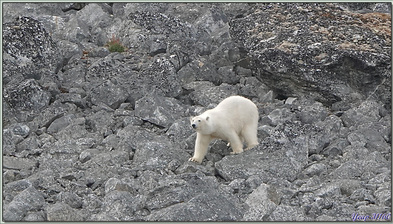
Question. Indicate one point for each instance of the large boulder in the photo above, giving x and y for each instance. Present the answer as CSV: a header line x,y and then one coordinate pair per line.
x,y
311,50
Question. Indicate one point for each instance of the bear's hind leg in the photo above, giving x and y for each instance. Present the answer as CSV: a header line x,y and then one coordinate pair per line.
x,y
236,143
250,136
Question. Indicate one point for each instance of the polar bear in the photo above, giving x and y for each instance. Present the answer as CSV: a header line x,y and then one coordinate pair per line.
x,y
234,120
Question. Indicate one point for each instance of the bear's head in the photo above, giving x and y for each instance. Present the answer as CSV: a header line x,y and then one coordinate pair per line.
x,y
199,123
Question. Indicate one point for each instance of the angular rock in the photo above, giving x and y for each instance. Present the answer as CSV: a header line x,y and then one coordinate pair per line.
x,y
159,110
60,123
367,111
19,163
35,217
121,205
313,113
315,169
27,96
28,200
32,51
255,162
203,207
63,212
180,130
354,169
75,126
74,98
108,93
288,213
70,199
207,95
116,184
260,204
327,56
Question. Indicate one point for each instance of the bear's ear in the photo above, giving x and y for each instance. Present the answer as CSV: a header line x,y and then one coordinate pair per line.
x,y
207,118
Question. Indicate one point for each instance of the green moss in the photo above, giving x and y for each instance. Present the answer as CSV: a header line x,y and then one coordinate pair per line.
x,y
115,47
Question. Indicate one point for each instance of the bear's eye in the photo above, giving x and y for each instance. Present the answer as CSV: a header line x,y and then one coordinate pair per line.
x,y
199,120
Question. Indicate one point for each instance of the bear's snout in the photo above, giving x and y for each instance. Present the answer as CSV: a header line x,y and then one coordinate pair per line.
x,y
193,126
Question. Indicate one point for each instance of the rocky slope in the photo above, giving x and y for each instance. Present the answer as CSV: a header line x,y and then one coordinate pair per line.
x,y
94,135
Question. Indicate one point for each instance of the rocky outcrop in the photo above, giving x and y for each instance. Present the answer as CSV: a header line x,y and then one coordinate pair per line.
x,y
95,135
323,51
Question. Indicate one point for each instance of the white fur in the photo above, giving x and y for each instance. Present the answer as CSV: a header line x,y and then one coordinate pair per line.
x,y
235,120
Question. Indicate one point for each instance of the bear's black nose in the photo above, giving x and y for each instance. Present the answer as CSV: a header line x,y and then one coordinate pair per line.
x,y
193,125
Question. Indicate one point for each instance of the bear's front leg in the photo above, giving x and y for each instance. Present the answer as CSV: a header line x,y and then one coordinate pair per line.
x,y
201,145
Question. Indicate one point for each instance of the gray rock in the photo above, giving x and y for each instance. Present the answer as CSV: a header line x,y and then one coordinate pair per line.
x,y
21,130
335,148
70,199
93,15
383,195
116,184
29,144
32,50
27,95
313,113
362,195
13,188
329,190
108,93
354,169
158,110
301,66
60,123
158,155
368,110
279,116
14,175
190,167
77,126
87,155
9,141
63,212
315,169
121,205
206,95
260,204
19,163
287,213
180,130
74,98
255,162
28,200
35,217
100,52
203,207
348,186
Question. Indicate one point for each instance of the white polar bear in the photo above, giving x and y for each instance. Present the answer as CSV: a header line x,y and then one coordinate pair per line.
x,y
235,120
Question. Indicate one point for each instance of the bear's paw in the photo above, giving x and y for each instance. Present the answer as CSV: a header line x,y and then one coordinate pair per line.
x,y
192,159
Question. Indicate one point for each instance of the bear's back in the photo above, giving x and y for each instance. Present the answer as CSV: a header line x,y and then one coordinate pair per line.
x,y
236,102
237,108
